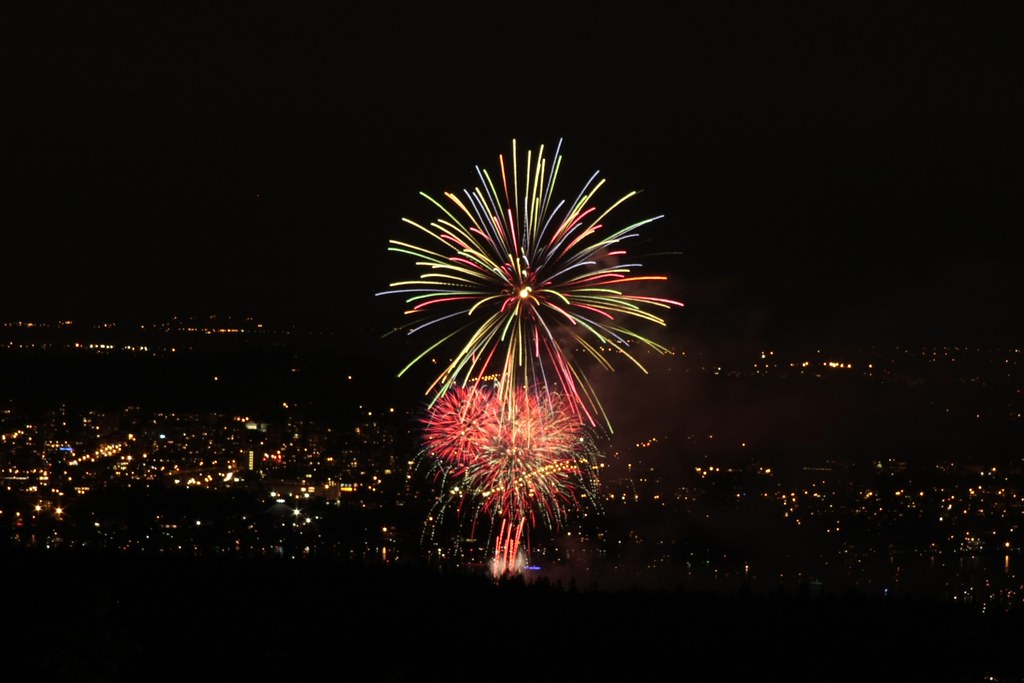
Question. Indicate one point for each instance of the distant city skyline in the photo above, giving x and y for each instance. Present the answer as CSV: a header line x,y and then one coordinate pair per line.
x,y
896,473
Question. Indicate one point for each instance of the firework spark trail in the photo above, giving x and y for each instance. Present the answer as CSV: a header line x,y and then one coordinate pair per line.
x,y
518,470
458,423
519,279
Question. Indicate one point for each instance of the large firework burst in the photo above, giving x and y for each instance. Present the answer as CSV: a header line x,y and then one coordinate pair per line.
x,y
518,469
518,282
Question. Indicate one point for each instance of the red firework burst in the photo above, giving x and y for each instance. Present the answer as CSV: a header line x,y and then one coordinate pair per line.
x,y
519,464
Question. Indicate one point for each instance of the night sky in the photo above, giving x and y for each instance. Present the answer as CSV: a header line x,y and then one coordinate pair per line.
x,y
839,177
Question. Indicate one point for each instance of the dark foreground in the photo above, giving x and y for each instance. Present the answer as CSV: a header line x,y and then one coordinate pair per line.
x,y
116,617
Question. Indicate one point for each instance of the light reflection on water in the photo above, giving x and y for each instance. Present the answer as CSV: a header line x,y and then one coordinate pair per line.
x,y
986,580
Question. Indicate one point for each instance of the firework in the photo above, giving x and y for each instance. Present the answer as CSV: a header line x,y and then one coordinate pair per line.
x,y
518,470
519,282
460,423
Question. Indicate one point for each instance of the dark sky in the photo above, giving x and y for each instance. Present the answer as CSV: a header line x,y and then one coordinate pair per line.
x,y
843,176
